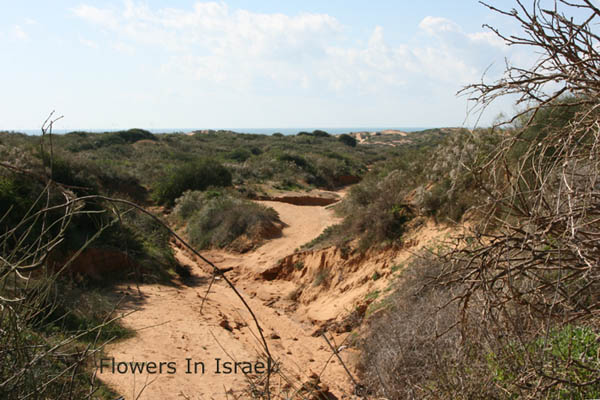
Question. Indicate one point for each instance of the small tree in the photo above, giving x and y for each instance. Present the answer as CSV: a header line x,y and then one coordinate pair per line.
x,y
320,133
347,140
197,175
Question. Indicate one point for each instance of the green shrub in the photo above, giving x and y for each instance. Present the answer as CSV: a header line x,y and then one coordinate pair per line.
x,y
240,154
16,195
296,159
196,175
82,141
190,202
449,203
77,309
372,295
320,133
569,354
376,211
347,140
20,201
134,135
217,220
256,151
331,235
40,354
148,244
321,277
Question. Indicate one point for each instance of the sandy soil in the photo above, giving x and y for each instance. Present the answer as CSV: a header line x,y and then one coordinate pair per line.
x,y
173,328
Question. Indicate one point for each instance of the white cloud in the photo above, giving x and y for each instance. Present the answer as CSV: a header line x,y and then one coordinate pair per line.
x,y
103,17
123,48
435,25
453,60
19,33
488,38
367,69
88,43
239,49
221,45
445,29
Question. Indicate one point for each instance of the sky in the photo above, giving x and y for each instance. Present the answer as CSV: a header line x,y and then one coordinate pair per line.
x,y
248,64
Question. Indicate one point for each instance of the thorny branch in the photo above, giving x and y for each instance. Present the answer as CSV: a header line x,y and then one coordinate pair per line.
x,y
534,261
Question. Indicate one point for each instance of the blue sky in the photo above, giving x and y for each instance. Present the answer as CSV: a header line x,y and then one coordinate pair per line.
x,y
246,64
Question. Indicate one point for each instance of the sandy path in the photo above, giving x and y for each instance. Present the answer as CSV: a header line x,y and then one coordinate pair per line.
x,y
172,328
304,224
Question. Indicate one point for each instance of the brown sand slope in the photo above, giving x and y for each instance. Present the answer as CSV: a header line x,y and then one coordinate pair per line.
x,y
172,327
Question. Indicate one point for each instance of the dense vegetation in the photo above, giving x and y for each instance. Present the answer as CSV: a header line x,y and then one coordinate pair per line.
x,y
254,161
509,309
430,177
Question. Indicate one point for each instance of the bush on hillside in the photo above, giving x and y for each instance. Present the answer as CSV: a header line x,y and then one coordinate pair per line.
x,y
82,141
426,344
189,203
196,175
567,354
17,195
347,140
151,160
320,133
135,134
216,219
430,180
376,211
240,154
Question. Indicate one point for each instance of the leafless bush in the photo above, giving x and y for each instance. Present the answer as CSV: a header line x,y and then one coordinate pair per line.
x,y
533,264
568,62
416,349
540,245
516,311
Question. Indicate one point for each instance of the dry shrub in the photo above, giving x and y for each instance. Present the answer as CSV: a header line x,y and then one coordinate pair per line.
x,y
532,266
415,350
